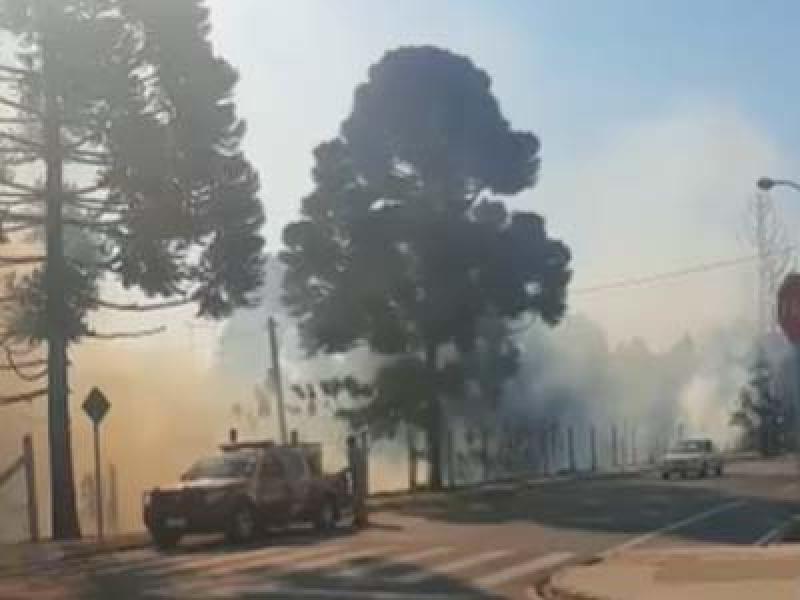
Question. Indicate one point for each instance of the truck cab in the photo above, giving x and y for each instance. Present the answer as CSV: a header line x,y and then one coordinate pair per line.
x,y
245,489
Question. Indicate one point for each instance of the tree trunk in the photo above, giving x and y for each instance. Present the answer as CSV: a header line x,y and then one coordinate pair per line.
x,y
62,485
434,424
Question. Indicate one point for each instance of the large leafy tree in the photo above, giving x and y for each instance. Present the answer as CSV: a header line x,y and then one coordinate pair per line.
x,y
120,165
401,246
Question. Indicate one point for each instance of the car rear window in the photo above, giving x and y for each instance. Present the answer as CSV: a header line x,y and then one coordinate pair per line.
x,y
692,446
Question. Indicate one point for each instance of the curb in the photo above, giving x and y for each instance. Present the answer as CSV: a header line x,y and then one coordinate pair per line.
x,y
376,501
23,557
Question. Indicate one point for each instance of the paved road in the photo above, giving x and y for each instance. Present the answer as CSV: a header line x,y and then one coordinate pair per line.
x,y
492,545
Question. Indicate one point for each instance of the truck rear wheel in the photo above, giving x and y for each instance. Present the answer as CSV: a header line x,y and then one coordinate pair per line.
x,y
327,516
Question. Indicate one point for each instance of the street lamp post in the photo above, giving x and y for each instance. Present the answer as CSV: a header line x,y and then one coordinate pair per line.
x,y
767,183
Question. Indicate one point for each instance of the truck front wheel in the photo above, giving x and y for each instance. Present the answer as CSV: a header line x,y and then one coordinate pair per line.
x,y
165,539
243,524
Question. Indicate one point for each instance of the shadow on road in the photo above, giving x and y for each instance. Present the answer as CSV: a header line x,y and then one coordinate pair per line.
x,y
628,506
245,577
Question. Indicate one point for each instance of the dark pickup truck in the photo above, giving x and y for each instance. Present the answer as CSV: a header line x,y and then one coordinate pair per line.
x,y
244,490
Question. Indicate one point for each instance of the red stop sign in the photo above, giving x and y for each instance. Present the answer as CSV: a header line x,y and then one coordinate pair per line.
x,y
789,307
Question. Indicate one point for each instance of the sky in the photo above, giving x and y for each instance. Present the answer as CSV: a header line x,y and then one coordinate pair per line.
x,y
655,120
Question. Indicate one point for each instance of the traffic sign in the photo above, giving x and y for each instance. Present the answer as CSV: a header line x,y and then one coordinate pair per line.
x,y
96,405
789,307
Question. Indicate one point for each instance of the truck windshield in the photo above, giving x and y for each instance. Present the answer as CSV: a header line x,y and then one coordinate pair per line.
x,y
692,446
221,467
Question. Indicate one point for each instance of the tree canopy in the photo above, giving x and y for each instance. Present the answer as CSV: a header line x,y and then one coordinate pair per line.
x,y
401,244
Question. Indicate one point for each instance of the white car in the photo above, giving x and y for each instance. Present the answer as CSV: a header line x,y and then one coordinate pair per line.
x,y
698,456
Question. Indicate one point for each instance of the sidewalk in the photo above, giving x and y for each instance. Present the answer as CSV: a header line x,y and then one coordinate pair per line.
x,y
708,573
16,557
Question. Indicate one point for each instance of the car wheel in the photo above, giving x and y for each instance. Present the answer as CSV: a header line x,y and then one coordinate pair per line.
x,y
327,516
243,524
166,539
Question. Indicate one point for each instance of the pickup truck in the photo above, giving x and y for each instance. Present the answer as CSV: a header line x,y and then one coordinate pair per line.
x,y
699,456
245,489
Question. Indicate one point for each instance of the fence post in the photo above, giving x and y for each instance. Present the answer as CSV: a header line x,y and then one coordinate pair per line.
x,y
545,446
485,453
614,446
593,446
571,450
412,461
554,447
30,484
451,466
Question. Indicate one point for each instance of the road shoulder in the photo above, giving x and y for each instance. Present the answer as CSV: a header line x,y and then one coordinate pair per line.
x,y
708,573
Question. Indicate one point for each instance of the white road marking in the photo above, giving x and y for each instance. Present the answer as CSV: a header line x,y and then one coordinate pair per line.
x,y
365,570
327,561
771,535
274,559
119,566
522,569
206,562
451,567
271,589
532,594
639,540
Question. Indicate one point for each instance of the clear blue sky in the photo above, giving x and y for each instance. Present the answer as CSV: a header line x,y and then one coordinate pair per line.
x,y
655,118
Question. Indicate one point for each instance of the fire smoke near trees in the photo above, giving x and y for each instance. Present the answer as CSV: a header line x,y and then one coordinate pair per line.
x,y
120,164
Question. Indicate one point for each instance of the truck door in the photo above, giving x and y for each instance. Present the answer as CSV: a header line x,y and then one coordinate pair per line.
x,y
274,493
299,481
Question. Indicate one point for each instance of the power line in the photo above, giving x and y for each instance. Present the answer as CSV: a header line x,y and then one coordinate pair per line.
x,y
647,279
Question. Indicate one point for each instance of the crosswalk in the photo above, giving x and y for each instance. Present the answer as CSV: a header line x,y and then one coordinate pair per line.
x,y
336,569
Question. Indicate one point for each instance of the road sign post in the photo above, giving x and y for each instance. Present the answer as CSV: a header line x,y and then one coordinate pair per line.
x,y
96,407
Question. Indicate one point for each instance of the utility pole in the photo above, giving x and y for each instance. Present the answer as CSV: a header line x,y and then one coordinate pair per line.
x,y
276,373
98,481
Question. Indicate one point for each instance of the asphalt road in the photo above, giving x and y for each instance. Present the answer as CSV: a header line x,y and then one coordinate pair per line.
x,y
495,544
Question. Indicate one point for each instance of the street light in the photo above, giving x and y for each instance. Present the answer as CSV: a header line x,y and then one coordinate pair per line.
x,y
767,183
